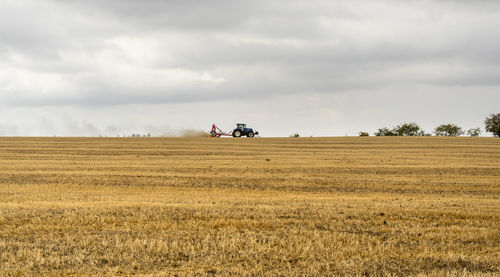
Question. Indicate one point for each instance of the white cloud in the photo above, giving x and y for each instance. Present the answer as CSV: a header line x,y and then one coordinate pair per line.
x,y
207,77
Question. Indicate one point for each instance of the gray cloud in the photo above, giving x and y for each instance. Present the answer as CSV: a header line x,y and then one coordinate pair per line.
x,y
87,54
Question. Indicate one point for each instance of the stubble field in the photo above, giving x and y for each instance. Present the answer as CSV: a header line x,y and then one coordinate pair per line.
x,y
201,206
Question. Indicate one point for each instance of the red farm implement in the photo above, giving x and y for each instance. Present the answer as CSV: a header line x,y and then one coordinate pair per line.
x,y
217,132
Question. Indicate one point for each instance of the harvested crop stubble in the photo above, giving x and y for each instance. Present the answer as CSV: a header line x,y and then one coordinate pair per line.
x,y
306,206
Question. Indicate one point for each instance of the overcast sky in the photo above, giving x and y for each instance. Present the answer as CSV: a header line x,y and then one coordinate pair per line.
x,y
322,68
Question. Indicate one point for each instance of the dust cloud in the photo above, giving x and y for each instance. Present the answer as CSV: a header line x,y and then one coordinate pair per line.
x,y
192,133
186,133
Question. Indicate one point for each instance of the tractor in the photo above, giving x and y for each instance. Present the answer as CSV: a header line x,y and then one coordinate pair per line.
x,y
242,130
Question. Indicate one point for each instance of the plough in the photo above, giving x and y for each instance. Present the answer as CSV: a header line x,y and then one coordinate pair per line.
x,y
218,132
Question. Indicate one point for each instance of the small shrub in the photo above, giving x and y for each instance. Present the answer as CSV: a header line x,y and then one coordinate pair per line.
x,y
408,129
474,132
448,130
385,132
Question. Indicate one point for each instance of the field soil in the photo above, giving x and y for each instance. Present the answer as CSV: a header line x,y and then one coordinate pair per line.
x,y
262,206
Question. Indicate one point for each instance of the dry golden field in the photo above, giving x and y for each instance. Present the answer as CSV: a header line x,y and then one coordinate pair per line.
x,y
290,207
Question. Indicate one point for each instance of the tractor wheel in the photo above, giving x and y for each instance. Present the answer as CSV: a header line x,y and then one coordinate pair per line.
x,y
237,133
250,134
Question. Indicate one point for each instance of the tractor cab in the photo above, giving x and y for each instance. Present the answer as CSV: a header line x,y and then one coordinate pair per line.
x,y
241,126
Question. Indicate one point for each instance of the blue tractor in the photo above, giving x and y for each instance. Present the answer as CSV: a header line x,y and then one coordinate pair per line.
x,y
242,130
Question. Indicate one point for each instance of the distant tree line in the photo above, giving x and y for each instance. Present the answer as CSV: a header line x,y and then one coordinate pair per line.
x,y
492,125
148,135
140,135
405,129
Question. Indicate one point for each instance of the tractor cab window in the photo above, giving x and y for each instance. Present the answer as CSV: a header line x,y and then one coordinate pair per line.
x,y
241,126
